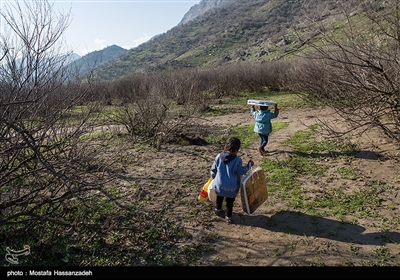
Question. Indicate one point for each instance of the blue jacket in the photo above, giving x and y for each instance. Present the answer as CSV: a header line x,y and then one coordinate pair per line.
x,y
226,171
263,120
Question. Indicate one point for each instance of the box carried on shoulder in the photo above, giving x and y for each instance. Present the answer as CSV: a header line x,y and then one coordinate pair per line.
x,y
253,190
261,102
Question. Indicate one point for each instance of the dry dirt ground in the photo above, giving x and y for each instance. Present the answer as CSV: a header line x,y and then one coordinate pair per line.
x,y
276,235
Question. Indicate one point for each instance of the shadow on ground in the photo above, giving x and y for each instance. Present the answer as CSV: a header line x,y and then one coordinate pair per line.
x,y
309,225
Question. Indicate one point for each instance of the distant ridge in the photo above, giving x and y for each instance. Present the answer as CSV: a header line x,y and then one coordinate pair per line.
x,y
95,59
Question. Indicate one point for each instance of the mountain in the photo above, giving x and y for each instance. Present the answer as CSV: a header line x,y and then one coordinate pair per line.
x,y
201,8
214,33
74,56
95,59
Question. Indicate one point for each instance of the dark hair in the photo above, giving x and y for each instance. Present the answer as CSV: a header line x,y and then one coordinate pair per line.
x,y
232,144
263,107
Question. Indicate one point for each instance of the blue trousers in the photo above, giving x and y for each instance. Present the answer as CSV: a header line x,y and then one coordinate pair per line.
x,y
263,140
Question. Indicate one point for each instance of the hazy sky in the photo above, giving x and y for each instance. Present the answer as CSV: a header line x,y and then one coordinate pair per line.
x,y
97,24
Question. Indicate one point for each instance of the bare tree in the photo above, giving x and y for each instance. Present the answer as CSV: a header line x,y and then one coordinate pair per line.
x,y
44,163
355,67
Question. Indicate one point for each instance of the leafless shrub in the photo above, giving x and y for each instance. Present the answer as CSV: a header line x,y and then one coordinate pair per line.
x,y
154,106
44,163
355,69
148,107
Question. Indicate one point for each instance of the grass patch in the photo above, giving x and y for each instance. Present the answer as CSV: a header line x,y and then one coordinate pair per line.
x,y
286,179
106,235
245,133
346,172
304,141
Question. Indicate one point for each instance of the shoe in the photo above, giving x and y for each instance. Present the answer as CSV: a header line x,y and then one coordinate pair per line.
x,y
228,219
217,211
261,151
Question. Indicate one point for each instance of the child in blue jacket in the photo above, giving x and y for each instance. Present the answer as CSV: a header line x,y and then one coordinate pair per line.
x,y
263,124
226,172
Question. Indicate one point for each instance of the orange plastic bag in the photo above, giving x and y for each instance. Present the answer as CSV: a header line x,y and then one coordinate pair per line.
x,y
204,191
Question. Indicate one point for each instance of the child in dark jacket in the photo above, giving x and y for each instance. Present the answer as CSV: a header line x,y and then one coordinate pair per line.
x,y
226,172
263,124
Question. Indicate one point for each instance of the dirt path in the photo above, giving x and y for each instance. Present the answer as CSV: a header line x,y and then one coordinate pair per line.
x,y
278,236
275,235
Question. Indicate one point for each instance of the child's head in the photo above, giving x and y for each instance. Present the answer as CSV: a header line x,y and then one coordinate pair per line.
x,y
263,108
232,145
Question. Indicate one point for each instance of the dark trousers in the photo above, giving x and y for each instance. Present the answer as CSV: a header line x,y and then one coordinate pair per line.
x,y
229,204
263,140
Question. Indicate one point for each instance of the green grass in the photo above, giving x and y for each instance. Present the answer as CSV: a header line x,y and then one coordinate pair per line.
x,y
304,141
286,178
347,172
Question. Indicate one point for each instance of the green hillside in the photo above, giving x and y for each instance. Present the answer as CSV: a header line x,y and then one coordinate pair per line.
x,y
243,31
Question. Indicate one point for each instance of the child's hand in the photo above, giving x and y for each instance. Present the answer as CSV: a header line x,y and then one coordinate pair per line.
x,y
252,106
